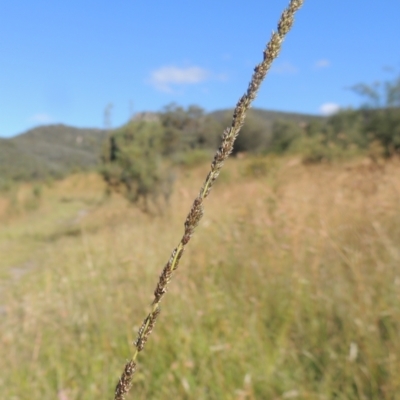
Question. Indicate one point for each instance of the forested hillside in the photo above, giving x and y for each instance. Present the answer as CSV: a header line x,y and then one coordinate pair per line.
x,y
51,150
56,150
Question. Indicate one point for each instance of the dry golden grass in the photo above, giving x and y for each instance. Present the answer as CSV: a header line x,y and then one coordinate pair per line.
x,y
289,290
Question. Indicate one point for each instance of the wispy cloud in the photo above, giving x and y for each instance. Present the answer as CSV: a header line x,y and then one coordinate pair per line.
x,y
329,108
323,63
165,78
284,68
42,118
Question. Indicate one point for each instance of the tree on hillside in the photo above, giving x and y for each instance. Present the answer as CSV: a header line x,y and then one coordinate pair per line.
x,y
382,113
345,129
188,129
254,137
133,164
284,134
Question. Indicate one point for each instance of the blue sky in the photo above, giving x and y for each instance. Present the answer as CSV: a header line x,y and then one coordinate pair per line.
x,y
65,61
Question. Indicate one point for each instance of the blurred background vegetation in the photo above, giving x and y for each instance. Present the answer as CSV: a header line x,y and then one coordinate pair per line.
x,y
151,142
290,289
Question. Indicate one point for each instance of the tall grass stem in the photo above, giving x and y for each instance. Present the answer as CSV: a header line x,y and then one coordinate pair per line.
x,y
196,212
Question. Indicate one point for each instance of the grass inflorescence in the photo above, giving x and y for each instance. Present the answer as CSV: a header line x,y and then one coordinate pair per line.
x,y
292,291
228,138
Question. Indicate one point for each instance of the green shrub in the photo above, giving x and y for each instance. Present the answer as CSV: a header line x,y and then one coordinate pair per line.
x,y
133,164
37,191
382,113
284,135
258,168
5,185
194,158
346,127
313,149
384,126
254,137
188,129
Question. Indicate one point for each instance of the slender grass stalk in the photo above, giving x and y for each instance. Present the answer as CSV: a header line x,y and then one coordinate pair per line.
x,y
192,220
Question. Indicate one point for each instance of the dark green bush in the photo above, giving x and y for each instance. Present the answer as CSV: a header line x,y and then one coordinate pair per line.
x,y
254,135
384,126
188,129
314,149
257,168
194,157
37,191
5,185
382,113
284,135
133,164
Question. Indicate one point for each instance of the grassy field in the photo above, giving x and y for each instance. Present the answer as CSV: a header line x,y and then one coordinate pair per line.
x,y
290,288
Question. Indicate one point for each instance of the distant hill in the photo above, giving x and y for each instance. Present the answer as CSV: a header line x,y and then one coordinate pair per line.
x,y
50,150
268,117
56,150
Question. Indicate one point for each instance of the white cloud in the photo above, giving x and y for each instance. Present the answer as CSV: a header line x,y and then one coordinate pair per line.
x,y
165,78
41,118
329,108
323,63
284,68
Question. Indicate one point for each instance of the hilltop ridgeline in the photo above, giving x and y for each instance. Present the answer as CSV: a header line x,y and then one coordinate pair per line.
x,y
57,150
